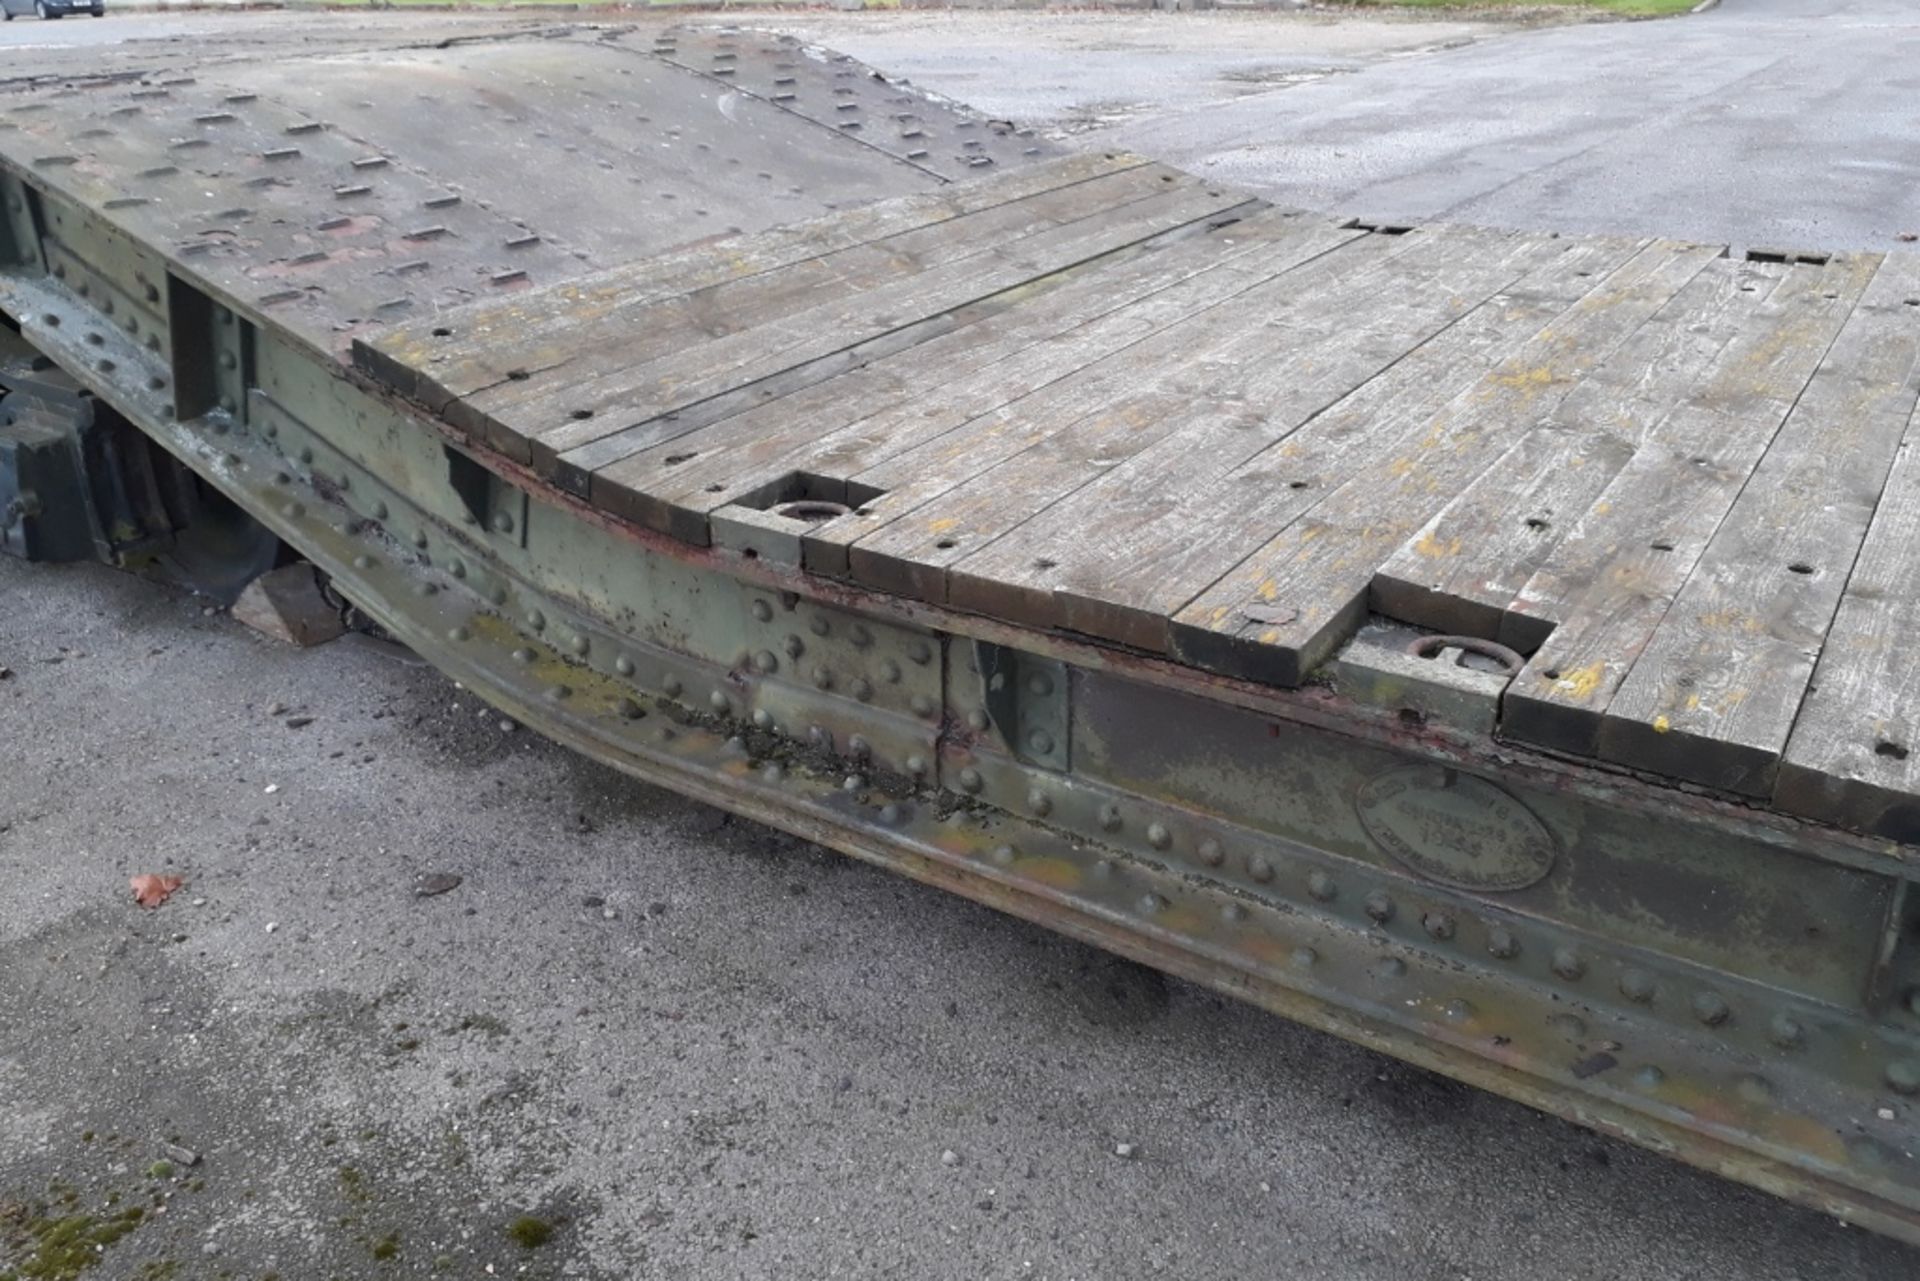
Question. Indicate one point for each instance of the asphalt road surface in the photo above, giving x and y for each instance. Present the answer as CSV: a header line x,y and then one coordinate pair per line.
x,y
685,1046
1769,122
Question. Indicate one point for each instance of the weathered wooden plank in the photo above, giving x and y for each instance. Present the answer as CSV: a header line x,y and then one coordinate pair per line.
x,y
1462,569
1248,386
537,329
604,354
843,427
1713,697
972,486
1282,610
1182,508
633,397
1606,586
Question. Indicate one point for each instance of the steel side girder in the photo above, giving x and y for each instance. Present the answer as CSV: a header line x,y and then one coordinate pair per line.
x,y
1725,987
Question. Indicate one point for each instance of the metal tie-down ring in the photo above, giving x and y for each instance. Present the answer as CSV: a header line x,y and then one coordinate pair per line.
x,y
810,509
1428,646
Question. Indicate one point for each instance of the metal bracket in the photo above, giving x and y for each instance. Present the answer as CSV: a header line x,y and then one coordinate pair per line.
x,y
1028,700
1456,684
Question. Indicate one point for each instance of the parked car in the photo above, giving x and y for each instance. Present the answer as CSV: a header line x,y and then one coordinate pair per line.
x,y
52,8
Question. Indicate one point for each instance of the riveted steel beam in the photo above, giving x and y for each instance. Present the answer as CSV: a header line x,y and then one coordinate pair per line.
x,y
1725,986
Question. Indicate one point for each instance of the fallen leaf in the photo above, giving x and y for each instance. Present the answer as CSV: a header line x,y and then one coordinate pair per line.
x,y
152,891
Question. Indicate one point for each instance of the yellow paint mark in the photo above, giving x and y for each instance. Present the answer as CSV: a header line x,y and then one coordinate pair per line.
x,y
942,525
1693,703
1581,685
1661,724
1400,467
1428,545
1526,379
1269,589
1269,636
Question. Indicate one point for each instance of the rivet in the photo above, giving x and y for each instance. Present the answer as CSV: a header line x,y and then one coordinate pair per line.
x,y
1649,1077
1103,869
977,721
1210,853
1152,904
668,733
1438,925
671,687
1158,836
793,646
1754,1088
630,710
823,678
1321,886
1567,964
1785,1031
1303,958
1003,855
558,692
764,661
889,814
1040,684
922,705
1040,743
1637,986
819,625
227,406
889,671
861,688
420,540
763,611
717,700
623,665
858,748
497,594
860,636
916,765
1039,802
457,567
1233,913
762,718
970,780
920,652
379,510
293,511
1501,944
1259,868
523,655
820,737
227,360
1110,817
773,773
1379,907
1711,1008
581,644
1391,967
853,782
1903,1076
536,620
363,562
426,589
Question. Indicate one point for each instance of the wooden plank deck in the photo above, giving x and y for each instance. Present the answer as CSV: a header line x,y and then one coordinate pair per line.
x,y
1105,397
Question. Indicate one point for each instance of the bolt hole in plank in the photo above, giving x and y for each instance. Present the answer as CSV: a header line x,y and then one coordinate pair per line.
x,y
947,544
443,332
518,375
1800,567
674,460
1891,750
1661,546
1296,484
580,415
1536,522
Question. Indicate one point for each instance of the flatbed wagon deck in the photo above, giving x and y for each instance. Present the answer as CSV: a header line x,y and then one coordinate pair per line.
x,y
1487,645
